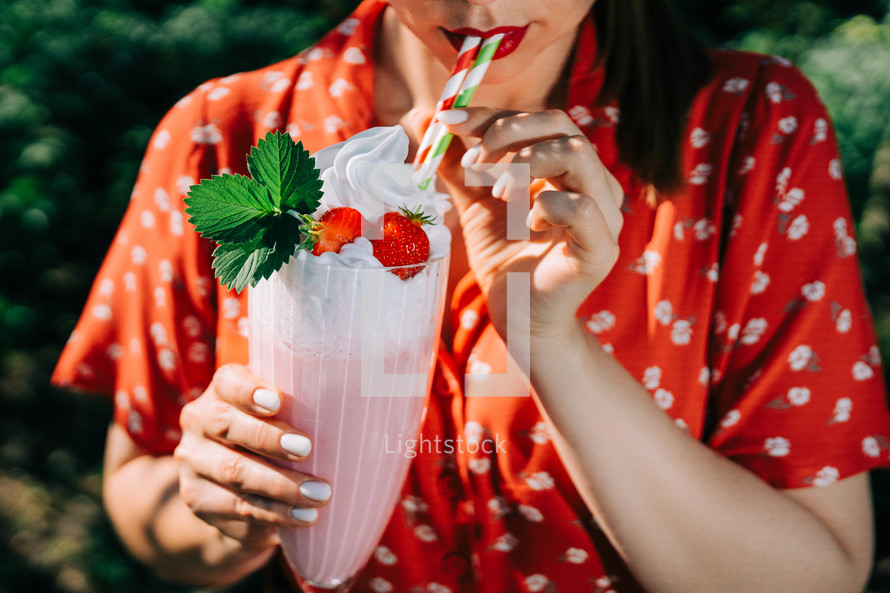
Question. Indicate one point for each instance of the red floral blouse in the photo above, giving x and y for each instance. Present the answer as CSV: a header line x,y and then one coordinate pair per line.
x,y
738,305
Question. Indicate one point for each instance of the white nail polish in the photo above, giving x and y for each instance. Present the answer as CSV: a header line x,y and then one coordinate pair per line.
x,y
296,444
500,185
453,116
528,220
306,515
469,158
320,491
267,399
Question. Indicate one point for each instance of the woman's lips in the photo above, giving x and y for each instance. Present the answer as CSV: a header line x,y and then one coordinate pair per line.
x,y
512,38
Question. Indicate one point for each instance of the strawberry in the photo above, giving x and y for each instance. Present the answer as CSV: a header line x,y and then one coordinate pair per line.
x,y
336,227
404,241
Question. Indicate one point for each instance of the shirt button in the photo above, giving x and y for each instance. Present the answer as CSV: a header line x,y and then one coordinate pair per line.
x,y
456,564
450,485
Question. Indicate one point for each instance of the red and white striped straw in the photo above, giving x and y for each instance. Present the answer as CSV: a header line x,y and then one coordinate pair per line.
x,y
465,58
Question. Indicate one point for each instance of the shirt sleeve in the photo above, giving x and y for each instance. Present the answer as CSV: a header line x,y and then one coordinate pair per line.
x,y
798,386
146,334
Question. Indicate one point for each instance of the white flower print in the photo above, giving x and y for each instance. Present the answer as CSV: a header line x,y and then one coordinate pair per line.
x,y
106,287
167,359
788,125
184,183
760,254
699,138
777,446
340,86
600,322
134,422
699,175
140,394
158,333
218,93
539,433
479,367
871,447
844,321
782,181
437,588
842,409
713,273
114,351
799,227
862,371
732,333
505,543
536,582
679,231
480,465
747,165
305,81
161,139
473,432
540,481
731,418
333,123
664,312
380,585
160,297
281,85
385,556
348,26
354,55
147,219
835,170
874,356
704,229
191,325
652,377
826,476
317,53
206,134
498,507
760,282
664,399
165,271
530,513
575,556
736,86
813,291
754,329
270,78
176,226
820,131
469,319
271,120
704,376
613,113
798,396
681,332
791,200
800,358
581,115
231,307
425,533
414,504
647,263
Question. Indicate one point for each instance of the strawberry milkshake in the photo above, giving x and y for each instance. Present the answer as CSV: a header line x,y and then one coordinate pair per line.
x,y
348,331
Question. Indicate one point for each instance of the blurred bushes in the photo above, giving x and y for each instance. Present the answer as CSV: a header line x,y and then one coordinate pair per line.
x,y
82,85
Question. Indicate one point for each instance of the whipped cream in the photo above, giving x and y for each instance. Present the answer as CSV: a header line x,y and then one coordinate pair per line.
x,y
368,172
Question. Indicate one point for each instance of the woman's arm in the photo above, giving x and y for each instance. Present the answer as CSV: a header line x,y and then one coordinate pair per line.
x,y
683,517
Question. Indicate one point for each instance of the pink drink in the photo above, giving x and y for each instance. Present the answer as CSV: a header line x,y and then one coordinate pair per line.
x,y
353,351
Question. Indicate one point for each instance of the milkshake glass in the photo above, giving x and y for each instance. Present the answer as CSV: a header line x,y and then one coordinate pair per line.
x,y
353,352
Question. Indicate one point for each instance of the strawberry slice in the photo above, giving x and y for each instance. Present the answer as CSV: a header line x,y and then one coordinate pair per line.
x,y
335,228
404,241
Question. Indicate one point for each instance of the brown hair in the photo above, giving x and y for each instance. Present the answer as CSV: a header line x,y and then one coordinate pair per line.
x,y
654,66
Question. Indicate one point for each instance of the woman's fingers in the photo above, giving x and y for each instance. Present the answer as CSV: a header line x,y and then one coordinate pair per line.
x,y
235,384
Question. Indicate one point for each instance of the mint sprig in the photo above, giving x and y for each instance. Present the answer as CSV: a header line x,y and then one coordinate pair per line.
x,y
256,221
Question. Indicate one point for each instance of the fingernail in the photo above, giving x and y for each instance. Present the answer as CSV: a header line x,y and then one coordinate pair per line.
x,y
500,185
453,116
528,220
267,399
469,158
320,491
296,444
306,515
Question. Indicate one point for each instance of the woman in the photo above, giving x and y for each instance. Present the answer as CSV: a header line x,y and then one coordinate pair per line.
x,y
707,394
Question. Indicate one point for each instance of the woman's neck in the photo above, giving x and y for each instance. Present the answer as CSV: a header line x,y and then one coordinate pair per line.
x,y
410,77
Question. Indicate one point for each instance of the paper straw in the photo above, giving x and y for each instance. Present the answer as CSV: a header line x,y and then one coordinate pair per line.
x,y
465,58
443,138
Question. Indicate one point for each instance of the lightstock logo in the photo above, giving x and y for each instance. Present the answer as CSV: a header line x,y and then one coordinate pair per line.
x,y
411,380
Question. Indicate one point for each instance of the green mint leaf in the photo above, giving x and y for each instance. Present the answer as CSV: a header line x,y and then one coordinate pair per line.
x,y
238,265
229,208
287,171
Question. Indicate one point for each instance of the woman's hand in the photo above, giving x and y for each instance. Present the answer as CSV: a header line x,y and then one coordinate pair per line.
x,y
575,213
227,471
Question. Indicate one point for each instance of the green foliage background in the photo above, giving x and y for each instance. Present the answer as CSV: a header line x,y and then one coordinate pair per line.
x,y
82,85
